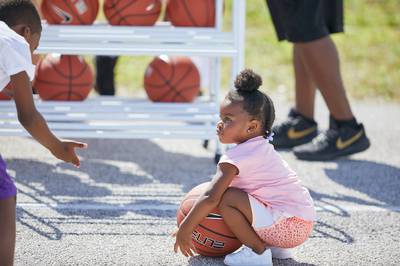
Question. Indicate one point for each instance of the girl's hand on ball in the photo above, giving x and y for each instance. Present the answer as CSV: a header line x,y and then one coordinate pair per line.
x,y
183,242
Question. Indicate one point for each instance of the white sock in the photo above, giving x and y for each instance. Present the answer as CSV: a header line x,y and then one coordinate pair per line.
x,y
281,253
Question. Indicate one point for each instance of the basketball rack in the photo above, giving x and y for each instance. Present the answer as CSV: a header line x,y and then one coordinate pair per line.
x,y
122,118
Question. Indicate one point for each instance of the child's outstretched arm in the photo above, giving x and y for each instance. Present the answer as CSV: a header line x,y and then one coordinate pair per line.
x,y
35,124
206,203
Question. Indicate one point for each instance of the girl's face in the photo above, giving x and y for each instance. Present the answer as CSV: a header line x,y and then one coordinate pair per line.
x,y
235,125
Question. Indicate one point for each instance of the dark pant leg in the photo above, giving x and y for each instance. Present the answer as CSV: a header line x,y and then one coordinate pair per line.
x,y
105,66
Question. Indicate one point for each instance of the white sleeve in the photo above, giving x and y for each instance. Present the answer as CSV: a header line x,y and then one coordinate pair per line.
x,y
14,60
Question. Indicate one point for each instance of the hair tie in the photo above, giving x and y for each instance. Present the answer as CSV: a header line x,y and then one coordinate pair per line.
x,y
270,136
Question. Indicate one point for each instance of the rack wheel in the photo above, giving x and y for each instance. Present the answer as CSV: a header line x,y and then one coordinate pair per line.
x,y
205,144
216,158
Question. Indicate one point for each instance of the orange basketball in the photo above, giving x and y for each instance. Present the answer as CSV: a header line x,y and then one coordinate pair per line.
x,y
70,12
63,78
172,79
132,13
212,237
4,95
191,13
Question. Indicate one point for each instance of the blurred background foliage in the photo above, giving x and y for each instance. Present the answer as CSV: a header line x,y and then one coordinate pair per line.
x,y
369,51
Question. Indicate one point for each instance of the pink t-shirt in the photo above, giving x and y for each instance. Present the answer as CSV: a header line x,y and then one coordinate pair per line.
x,y
267,177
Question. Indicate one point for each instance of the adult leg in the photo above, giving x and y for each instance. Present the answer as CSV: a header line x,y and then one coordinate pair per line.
x,y
322,62
299,127
345,136
7,231
236,211
105,66
304,86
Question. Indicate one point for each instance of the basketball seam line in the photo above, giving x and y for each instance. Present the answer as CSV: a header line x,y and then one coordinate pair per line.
x,y
168,83
189,14
72,11
183,76
161,75
155,12
54,66
208,229
179,81
139,15
115,3
82,71
117,11
173,86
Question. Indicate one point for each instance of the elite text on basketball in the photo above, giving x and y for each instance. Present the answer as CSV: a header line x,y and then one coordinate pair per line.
x,y
206,241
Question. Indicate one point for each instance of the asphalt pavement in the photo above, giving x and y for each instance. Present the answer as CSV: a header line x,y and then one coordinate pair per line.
x,y
119,207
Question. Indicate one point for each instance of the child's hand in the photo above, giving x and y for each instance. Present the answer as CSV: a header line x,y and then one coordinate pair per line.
x,y
65,150
183,242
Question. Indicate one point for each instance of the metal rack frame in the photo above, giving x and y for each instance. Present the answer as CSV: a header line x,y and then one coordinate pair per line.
x,y
112,117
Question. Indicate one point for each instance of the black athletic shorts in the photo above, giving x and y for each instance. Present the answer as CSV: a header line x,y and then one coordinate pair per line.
x,y
306,20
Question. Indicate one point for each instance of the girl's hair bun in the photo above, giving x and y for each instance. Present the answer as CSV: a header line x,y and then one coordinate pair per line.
x,y
247,81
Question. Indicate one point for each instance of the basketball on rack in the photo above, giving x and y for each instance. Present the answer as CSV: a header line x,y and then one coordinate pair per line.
x,y
172,79
63,78
191,13
70,12
212,237
132,13
3,93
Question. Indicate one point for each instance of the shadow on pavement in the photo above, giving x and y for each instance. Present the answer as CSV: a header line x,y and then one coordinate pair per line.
x,y
201,260
290,262
45,180
51,231
163,166
379,181
59,185
325,230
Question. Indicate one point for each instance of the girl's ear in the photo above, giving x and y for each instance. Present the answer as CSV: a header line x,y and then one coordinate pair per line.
x,y
253,126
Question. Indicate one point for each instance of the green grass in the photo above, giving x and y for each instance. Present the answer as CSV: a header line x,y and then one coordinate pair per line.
x,y
369,51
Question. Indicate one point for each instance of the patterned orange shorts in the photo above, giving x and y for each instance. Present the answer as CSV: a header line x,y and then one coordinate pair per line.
x,y
287,233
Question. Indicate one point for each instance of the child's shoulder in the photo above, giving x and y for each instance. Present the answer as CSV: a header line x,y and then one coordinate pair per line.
x,y
15,55
253,147
256,144
13,46
10,39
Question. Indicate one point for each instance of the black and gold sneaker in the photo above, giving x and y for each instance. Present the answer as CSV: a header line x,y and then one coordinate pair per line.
x,y
334,143
296,130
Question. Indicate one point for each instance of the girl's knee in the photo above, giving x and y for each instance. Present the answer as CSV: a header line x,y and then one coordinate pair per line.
x,y
230,196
